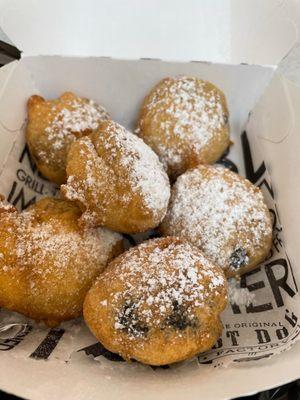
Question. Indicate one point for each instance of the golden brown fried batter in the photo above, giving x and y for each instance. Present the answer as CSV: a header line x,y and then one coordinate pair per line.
x,y
223,214
54,124
48,263
185,121
158,303
117,180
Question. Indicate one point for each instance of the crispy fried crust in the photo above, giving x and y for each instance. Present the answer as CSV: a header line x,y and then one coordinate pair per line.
x,y
53,125
48,263
158,303
223,214
117,180
185,121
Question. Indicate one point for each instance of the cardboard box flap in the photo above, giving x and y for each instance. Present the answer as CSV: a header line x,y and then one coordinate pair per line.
x,y
290,65
242,84
120,85
10,122
16,86
195,30
93,77
275,115
276,122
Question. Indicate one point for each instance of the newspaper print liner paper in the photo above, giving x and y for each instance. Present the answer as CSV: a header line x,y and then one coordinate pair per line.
x,y
266,327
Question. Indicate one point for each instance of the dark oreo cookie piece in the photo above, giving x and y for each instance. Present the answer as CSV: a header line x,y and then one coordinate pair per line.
x,y
179,319
238,258
130,322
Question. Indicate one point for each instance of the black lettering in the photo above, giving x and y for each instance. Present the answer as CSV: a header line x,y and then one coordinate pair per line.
x,y
274,217
28,181
251,174
21,175
291,319
277,242
20,197
38,187
277,283
235,308
262,336
26,153
292,272
251,287
12,192
269,187
233,335
47,346
282,333
218,344
10,343
277,214
97,350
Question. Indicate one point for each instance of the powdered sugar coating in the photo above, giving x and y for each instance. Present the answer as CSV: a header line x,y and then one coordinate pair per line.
x,y
145,171
183,117
158,303
5,206
46,243
53,125
170,275
223,214
72,121
118,167
48,263
37,244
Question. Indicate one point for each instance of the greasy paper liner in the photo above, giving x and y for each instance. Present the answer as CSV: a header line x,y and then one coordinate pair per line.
x,y
264,328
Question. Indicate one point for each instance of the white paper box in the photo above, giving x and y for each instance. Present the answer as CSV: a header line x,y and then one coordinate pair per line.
x,y
120,85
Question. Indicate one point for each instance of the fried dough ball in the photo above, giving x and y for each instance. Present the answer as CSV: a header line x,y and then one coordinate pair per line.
x,y
54,124
158,303
47,263
117,180
223,214
185,121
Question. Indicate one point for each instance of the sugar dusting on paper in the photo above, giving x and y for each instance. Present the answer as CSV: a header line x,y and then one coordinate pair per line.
x,y
238,295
